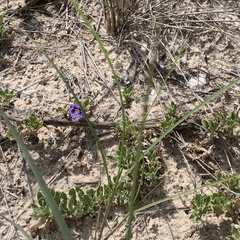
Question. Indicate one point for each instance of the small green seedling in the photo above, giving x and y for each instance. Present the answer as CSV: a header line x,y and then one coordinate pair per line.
x,y
9,133
62,110
5,96
125,155
200,206
130,129
233,184
41,209
217,203
211,126
128,95
222,123
229,122
167,122
150,166
151,171
171,110
86,105
33,123
171,115
2,27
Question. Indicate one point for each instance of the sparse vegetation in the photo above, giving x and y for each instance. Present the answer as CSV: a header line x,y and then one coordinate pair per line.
x,y
222,123
94,133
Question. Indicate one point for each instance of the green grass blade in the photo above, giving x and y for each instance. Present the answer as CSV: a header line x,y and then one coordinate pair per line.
x,y
25,234
188,114
94,33
52,204
212,184
153,204
98,39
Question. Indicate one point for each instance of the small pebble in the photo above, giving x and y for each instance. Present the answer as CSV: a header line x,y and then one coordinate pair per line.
x,y
163,95
25,94
152,97
197,82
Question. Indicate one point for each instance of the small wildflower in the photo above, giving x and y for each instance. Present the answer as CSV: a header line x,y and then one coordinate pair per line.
x,y
75,112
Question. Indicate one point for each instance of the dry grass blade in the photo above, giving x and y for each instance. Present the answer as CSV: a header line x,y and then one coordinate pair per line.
x,y
117,14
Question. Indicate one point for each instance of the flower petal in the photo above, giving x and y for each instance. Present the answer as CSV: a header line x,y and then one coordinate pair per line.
x,y
75,106
81,115
75,112
75,115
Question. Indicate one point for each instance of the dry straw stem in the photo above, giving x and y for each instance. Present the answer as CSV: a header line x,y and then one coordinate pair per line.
x,y
117,13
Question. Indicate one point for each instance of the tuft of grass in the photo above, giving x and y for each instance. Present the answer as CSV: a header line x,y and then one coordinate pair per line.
x,y
117,13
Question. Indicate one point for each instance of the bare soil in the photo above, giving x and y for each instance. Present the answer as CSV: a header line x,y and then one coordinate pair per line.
x,y
208,32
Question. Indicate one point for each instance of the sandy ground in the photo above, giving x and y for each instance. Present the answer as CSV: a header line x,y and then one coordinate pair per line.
x,y
213,49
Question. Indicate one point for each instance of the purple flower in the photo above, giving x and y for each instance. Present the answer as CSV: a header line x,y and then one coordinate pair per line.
x,y
75,112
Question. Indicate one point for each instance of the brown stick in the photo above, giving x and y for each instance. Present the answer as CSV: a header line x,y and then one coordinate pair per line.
x,y
82,123
155,123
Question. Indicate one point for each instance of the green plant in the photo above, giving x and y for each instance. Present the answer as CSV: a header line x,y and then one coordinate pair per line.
x,y
211,126
233,184
235,229
85,105
229,122
125,155
171,110
51,203
2,26
150,167
222,123
200,205
10,135
78,203
128,128
217,203
220,202
5,96
171,115
33,123
150,171
167,122
62,110
109,193
128,96
42,209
